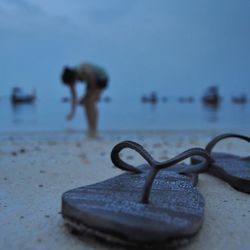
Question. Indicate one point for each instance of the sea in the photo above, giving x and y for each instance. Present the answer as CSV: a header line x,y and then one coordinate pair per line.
x,y
49,114
175,48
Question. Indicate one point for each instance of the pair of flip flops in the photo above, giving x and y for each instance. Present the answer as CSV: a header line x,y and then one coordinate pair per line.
x,y
156,203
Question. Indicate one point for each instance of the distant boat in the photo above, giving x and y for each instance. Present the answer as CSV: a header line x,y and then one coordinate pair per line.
x,y
18,96
106,99
186,99
152,98
164,99
144,99
242,99
211,96
65,99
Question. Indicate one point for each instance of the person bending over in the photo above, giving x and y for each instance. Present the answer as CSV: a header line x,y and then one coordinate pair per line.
x,y
96,80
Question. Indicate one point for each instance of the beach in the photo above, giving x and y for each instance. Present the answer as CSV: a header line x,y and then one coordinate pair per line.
x,y
37,167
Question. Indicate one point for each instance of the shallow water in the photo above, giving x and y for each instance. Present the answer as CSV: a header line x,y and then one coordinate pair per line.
x,y
130,114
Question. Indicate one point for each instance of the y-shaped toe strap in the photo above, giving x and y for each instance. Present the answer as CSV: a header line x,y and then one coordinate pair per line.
x,y
218,138
155,165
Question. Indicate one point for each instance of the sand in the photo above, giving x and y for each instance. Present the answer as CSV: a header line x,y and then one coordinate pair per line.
x,y
36,168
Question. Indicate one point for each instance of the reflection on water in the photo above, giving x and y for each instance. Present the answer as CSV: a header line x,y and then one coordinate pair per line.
x,y
50,115
212,111
20,108
23,112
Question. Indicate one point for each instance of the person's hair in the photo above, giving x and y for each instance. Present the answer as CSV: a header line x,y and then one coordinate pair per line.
x,y
68,75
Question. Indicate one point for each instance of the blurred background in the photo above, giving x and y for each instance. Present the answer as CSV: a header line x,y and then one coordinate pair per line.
x,y
173,64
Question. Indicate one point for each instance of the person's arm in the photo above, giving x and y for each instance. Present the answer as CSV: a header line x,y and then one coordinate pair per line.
x,y
73,102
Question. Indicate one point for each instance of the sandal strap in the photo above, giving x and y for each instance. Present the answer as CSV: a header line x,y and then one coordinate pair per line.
x,y
155,165
118,162
218,138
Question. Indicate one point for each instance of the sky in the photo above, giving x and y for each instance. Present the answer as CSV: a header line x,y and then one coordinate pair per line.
x,y
173,47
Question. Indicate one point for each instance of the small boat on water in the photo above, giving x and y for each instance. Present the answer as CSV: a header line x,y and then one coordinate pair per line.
x,y
18,96
211,96
186,99
242,99
152,98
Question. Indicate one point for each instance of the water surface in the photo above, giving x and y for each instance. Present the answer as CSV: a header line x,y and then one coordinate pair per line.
x,y
127,114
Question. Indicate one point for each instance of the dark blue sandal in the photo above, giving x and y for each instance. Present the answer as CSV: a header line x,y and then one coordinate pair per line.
x,y
233,169
151,205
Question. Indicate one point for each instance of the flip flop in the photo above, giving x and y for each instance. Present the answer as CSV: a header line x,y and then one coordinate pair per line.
x,y
233,169
149,206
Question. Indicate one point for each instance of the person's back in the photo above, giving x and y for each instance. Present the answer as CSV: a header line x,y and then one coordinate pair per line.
x,y
86,71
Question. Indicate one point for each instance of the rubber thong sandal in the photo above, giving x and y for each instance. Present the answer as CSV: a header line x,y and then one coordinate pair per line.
x,y
151,205
233,169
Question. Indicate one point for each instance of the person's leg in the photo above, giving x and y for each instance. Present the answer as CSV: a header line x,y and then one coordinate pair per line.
x,y
92,112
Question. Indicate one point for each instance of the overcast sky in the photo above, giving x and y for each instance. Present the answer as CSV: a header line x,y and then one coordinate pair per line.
x,y
162,45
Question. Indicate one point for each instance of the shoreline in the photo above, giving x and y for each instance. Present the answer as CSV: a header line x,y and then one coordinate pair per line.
x,y
108,132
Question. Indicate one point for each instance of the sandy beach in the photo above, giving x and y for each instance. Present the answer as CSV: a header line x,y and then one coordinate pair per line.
x,y
36,168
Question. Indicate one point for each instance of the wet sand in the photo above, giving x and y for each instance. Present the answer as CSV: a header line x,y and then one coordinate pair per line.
x,y
36,168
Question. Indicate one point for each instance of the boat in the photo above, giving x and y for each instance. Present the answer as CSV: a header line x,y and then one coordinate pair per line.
x,y
211,96
152,98
18,96
242,99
